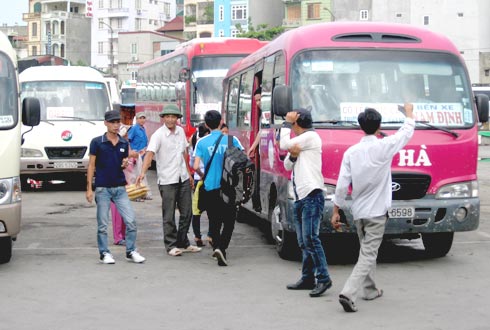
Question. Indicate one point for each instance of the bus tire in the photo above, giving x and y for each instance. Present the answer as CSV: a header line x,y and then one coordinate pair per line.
x,y
285,241
437,244
5,249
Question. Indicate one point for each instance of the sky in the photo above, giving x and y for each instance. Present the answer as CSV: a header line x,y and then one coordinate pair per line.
x,y
12,10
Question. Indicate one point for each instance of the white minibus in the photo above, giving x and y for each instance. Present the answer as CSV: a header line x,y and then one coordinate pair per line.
x,y
73,102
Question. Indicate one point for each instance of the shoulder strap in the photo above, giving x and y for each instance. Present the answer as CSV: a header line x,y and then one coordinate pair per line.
x,y
211,159
230,141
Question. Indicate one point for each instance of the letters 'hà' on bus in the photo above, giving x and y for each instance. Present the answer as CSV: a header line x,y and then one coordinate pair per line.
x,y
190,77
11,139
73,101
336,70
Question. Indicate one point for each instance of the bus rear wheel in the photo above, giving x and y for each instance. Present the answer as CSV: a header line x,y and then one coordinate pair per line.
x,y
5,249
285,241
437,244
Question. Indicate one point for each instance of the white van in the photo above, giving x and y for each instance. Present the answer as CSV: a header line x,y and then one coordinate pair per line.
x,y
73,102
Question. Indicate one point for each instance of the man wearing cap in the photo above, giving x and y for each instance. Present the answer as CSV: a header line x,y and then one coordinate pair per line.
x,y
305,160
108,158
169,147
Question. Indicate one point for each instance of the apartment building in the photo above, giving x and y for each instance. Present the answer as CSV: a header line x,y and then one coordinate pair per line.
x,y
305,12
111,17
59,28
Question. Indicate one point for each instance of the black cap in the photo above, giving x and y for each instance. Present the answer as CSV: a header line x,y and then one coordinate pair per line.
x,y
112,115
304,119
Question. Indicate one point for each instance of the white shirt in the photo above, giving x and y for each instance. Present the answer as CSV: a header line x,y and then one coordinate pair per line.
x,y
169,154
307,170
367,166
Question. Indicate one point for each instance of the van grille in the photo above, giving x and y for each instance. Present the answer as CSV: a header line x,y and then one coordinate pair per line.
x,y
65,152
411,186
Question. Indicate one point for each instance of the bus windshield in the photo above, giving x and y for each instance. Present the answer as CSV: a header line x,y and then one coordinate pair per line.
x,y
8,94
69,100
207,78
336,85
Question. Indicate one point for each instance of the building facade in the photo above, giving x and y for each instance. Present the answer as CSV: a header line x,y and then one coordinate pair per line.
x,y
59,28
304,12
111,17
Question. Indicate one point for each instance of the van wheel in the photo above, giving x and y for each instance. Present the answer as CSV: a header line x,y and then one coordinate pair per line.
x,y
285,241
5,249
437,244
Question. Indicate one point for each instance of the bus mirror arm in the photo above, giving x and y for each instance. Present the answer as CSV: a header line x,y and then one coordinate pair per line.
x,y
22,136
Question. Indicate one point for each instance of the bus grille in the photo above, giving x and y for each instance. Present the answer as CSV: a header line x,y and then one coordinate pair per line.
x,y
409,185
65,152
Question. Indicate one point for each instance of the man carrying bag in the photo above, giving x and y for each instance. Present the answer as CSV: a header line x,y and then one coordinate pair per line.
x,y
221,215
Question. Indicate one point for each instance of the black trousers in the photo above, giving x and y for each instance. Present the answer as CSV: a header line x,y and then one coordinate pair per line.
x,y
222,218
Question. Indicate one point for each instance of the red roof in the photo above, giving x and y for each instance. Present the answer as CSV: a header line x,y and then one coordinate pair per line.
x,y
177,24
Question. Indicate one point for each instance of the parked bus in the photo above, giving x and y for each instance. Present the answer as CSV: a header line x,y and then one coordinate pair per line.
x,y
41,60
10,137
336,70
190,77
73,102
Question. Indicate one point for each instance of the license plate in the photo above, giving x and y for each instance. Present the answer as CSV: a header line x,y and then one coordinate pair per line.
x,y
401,212
66,165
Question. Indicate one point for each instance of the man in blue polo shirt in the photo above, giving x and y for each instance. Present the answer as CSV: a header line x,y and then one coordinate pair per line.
x,y
220,214
108,158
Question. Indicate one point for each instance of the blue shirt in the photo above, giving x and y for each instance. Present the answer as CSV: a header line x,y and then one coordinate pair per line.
x,y
204,150
137,137
108,161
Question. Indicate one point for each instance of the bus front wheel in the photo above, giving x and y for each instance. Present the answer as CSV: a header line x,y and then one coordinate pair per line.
x,y
285,241
437,244
5,249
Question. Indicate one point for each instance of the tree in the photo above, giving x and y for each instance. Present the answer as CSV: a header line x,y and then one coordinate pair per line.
x,y
261,32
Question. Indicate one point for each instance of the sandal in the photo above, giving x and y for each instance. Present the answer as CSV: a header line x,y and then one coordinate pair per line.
x,y
348,304
378,294
175,252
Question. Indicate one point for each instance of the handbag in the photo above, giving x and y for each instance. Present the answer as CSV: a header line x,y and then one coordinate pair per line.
x,y
202,195
134,192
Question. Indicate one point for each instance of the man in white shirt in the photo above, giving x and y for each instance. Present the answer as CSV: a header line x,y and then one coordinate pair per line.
x,y
305,160
367,167
169,147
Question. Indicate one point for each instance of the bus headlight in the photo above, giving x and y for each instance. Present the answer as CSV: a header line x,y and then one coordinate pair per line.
x,y
26,152
458,190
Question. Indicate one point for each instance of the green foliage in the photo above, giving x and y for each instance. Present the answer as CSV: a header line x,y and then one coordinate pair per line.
x,y
80,63
261,31
190,19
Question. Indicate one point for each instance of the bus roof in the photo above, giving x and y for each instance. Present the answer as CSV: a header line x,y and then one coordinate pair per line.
x,y
351,35
212,46
61,73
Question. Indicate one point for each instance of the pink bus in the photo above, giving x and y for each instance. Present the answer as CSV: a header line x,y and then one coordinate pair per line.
x,y
190,77
336,70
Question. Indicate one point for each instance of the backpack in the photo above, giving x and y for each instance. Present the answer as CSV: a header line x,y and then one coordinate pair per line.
x,y
238,175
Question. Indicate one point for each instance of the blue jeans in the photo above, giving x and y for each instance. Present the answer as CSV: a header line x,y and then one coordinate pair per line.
x,y
307,215
103,198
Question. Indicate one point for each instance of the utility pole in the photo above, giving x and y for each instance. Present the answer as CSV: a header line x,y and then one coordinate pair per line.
x,y
111,49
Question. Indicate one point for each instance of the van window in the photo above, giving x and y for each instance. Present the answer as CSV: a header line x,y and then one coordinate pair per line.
x,y
75,100
8,94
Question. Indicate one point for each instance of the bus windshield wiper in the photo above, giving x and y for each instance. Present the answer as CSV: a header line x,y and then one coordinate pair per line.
x,y
77,118
426,123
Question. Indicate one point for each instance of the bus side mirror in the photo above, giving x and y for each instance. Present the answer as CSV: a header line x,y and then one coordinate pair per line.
x,y
282,100
31,111
184,75
481,101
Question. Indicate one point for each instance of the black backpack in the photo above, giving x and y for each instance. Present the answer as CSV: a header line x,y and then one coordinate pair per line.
x,y
238,175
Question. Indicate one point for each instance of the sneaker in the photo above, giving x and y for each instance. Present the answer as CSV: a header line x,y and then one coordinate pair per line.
x,y
221,257
107,258
192,248
135,257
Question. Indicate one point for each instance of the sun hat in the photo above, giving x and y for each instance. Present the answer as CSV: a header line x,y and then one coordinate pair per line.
x,y
171,109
